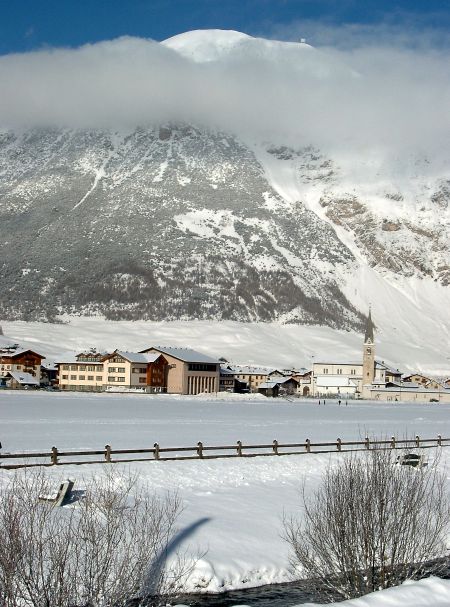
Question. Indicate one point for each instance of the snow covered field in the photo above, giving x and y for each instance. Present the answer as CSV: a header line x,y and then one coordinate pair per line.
x,y
233,507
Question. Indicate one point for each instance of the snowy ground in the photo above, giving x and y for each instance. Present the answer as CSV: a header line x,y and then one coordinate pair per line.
x,y
237,504
270,344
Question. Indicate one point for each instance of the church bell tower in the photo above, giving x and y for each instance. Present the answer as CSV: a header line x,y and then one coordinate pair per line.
x,y
369,353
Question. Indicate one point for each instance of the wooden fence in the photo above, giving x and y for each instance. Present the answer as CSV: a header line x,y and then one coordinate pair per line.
x,y
201,451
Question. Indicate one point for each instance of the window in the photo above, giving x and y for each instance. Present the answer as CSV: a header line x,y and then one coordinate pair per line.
x,y
121,370
339,371
325,371
65,367
82,368
91,368
82,377
98,378
112,369
111,379
90,378
142,380
353,372
65,377
201,367
73,367
73,377
121,379
19,366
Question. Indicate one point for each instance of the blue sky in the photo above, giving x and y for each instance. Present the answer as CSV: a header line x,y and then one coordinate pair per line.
x,y
31,24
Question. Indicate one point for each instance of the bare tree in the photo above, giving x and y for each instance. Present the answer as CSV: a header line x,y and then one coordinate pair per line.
x,y
98,552
370,525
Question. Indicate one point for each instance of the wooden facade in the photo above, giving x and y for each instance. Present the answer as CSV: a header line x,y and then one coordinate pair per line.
x,y
25,361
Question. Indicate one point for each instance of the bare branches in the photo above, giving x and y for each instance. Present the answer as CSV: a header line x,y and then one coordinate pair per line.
x,y
372,524
97,553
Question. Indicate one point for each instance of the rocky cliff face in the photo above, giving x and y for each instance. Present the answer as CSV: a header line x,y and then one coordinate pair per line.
x,y
177,222
164,223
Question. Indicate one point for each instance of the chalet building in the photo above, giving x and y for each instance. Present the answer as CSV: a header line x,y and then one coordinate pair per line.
x,y
303,377
227,380
49,374
188,371
423,381
15,359
278,385
135,370
252,377
82,372
97,371
17,380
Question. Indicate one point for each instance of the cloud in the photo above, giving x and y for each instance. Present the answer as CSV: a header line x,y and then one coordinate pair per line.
x,y
396,30
376,96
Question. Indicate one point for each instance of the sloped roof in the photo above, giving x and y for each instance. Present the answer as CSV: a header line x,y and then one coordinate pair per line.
x,y
70,358
26,379
139,357
185,354
249,370
279,381
13,352
225,371
383,365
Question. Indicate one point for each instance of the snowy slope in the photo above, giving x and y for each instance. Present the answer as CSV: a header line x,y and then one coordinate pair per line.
x,y
268,344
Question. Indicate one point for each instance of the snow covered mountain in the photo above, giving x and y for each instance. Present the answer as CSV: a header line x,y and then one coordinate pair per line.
x,y
180,221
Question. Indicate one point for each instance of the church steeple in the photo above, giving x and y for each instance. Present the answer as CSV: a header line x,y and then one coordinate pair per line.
x,y
368,338
368,353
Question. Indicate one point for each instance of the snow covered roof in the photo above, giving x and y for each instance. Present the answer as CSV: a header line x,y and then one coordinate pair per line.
x,y
25,379
225,371
339,362
139,357
249,370
383,365
12,351
70,358
185,354
276,381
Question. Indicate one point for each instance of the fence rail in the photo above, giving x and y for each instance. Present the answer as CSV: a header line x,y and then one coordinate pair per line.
x,y
55,457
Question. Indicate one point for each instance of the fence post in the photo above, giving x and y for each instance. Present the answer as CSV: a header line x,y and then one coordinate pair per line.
x,y
308,445
108,453
439,440
339,444
275,447
200,448
239,448
367,442
393,442
54,456
417,441
156,451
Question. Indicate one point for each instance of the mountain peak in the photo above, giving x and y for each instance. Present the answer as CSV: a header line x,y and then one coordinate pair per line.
x,y
208,45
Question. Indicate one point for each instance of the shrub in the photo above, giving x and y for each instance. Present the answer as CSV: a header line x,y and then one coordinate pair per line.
x,y
370,525
107,549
